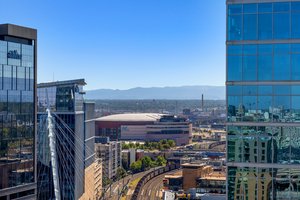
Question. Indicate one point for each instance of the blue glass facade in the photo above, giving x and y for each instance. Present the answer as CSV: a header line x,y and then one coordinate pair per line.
x,y
263,99
17,112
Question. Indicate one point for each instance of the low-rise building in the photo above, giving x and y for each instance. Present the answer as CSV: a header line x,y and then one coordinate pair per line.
x,y
173,181
197,178
192,171
131,155
212,183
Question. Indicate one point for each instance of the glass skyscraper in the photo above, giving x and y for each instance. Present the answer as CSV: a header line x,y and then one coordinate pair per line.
x,y
263,99
17,112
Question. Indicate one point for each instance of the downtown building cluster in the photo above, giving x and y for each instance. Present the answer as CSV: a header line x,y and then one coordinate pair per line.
x,y
25,164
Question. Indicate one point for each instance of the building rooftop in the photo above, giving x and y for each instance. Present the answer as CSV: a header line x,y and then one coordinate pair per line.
x,y
214,177
18,31
132,117
176,174
60,83
193,165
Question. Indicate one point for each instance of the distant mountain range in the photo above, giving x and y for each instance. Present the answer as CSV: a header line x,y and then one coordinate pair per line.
x,y
182,92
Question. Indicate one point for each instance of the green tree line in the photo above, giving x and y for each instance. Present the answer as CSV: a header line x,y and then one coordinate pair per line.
x,y
146,163
161,145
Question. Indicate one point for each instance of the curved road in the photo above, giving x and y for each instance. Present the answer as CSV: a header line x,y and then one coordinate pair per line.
x,y
116,187
152,190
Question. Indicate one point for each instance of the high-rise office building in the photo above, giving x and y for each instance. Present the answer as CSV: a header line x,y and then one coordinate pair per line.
x,y
263,99
18,47
74,134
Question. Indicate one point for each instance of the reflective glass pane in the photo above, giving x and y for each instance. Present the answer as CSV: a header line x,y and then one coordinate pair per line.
x,y
234,90
296,108
265,90
295,25
265,26
235,108
282,69
265,7
250,8
234,145
282,89
234,65
281,109
250,90
265,49
281,7
249,68
295,6
265,67
250,49
234,9
295,89
295,66
281,49
234,49
249,105
295,48
234,27
295,146
281,145
264,105
281,25
250,27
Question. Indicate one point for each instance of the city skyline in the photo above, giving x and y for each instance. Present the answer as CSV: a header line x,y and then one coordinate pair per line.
x,y
126,44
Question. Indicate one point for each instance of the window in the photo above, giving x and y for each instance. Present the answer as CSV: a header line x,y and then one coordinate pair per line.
x,y
235,27
281,25
265,26
234,64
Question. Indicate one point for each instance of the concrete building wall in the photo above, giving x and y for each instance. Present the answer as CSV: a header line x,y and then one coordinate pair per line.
x,y
89,133
133,132
79,155
111,156
92,181
132,153
191,172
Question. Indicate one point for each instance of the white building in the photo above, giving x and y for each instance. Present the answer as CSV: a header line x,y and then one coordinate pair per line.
x,y
110,153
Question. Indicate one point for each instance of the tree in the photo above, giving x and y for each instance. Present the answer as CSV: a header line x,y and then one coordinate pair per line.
x,y
121,173
136,166
125,146
171,143
137,145
166,146
163,141
147,144
106,181
146,162
131,145
161,161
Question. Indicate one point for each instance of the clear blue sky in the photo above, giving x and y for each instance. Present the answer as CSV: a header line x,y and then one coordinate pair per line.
x,y
122,44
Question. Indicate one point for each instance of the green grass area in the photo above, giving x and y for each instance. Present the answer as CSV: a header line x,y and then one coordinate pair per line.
x,y
134,183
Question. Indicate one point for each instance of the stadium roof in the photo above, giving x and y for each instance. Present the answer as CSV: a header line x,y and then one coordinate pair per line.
x,y
134,117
